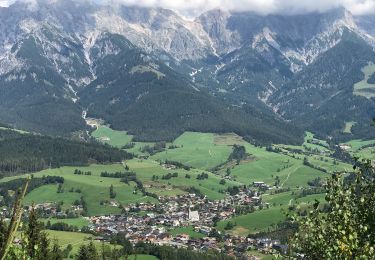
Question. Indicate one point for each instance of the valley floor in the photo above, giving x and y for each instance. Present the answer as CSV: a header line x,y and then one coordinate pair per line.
x,y
179,193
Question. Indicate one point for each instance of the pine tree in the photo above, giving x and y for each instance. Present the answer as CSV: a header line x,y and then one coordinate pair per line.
x,y
43,252
92,252
88,252
32,234
3,232
56,253
82,253
112,194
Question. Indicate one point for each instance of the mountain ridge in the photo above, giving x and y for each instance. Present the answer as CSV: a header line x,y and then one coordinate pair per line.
x,y
235,58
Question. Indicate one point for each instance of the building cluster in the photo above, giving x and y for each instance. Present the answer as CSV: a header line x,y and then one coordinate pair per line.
x,y
162,223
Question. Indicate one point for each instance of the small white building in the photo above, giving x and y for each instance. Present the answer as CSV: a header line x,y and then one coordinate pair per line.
x,y
193,216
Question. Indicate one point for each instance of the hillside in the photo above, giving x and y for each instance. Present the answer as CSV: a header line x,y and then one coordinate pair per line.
x,y
155,74
23,152
135,92
322,96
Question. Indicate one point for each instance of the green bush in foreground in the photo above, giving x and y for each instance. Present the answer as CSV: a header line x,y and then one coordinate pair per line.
x,y
347,229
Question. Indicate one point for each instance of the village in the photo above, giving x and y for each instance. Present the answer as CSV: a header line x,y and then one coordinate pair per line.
x,y
147,222
154,223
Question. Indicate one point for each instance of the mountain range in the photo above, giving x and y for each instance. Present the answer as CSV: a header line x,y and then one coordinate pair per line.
x,y
156,74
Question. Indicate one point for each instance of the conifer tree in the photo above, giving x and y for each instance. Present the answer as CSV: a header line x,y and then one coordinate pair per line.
x,y
82,253
43,252
92,252
3,231
32,234
56,253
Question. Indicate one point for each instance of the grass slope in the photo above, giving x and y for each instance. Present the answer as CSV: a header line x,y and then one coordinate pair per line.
x,y
77,222
186,230
75,239
266,219
145,169
348,127
112,137
198,150
364,88
254,222
94,189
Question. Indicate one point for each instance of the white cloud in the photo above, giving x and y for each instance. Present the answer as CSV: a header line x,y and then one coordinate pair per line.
x,y
260,6
5,3
194,7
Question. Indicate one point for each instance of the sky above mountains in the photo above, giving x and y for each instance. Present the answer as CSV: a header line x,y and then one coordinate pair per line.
x,y
261,6
195,7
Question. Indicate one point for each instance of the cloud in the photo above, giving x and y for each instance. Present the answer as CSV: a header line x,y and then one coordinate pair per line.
x,y
260,6
195,7
5,3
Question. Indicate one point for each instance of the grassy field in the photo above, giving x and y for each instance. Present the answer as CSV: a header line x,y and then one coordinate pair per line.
x,y
280,199
77,222
267,218
357,148
348,127
268,165
363,88
48,193
195,147
320,145
186,230
254,222
93,189
367,153
310,144
358,144
73,238
198,150
76,240
145,169
260,255
112,137
202,151
118,139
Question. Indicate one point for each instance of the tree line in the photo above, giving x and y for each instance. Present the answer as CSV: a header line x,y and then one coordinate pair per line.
x,y
34,183
30,153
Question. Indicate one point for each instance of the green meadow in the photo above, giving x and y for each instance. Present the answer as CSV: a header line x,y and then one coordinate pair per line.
x,y
77,222
203,152
112,137
348,127
186,230
363,88
197,150
76,239
267,219
146,169
255,222
94,189
261,256
268,165
358,144
358,148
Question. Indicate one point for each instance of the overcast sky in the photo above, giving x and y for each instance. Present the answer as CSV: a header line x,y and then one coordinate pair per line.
x,y
261,6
